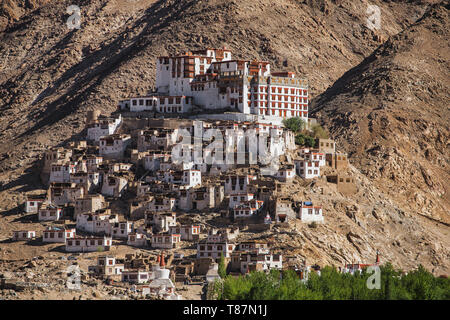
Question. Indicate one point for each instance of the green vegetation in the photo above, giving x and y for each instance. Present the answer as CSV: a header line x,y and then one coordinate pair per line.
x,y
333,285
222,271
303,136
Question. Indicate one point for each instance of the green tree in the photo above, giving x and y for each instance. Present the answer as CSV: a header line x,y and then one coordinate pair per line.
x,y
300,139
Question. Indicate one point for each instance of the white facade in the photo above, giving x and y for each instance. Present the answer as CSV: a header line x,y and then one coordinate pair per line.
x,y
209,78
264,262
188,233
238,198
192,178
307,169
49,213
160,222
285,174
61,172
33,203
247,209
121,230
213,249
113,146
136,276
23,235
113,186
238,184
96,223
165,241
137,239
161,204
310,213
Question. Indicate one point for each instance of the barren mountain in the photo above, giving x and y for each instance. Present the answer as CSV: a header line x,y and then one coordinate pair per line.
x,y
392,113
383,95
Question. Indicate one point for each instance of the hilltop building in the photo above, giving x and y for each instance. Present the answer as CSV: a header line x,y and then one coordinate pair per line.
x,y
211,79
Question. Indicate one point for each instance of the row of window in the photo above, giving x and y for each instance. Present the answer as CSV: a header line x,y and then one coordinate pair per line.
x,y
91,242
280,90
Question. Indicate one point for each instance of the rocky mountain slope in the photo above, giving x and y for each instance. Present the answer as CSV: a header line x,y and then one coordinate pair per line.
x,y
385,102
391,113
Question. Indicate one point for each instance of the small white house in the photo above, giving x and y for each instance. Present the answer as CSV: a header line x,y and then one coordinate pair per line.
x,y
107,265
165,241
238,198
121,230
247,209
48,212
58,235
213,249
310,213
88,244
136,276
34,202
307,169
103,127
113,146
113,186
97,223
192,178
187,232
286,173
160,222
23,235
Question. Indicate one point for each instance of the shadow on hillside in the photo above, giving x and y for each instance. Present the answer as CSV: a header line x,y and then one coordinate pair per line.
x,y
37,242
70,101
29,218
61,249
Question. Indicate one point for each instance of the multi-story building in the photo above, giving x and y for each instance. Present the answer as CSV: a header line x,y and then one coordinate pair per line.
x,y
211,79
